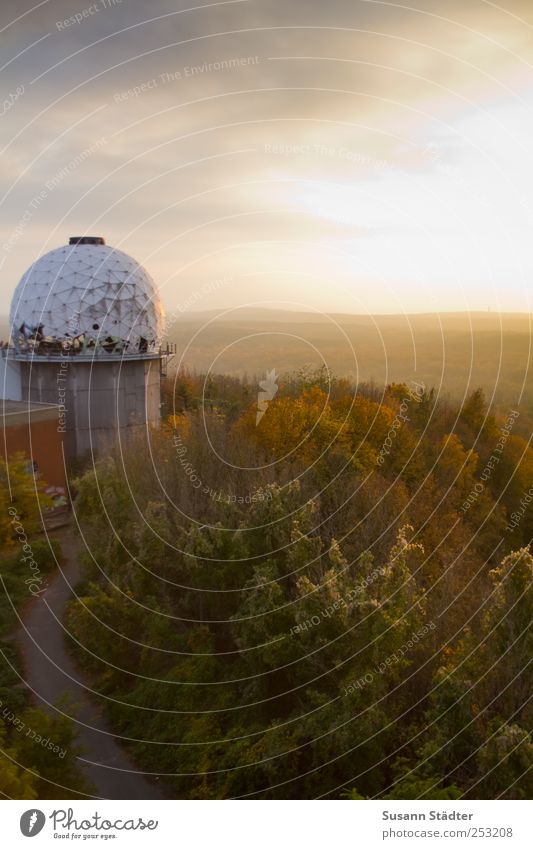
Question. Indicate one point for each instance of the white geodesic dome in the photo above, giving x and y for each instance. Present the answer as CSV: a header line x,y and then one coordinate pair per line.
x,y
87,291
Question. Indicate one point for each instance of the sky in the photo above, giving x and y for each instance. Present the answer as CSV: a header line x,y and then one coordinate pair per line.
x,y
344,156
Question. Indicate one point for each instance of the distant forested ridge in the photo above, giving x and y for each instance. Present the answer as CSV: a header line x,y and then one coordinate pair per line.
x,y
331,602
454,352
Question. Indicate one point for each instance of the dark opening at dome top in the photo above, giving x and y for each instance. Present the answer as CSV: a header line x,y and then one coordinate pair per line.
x,y
86,240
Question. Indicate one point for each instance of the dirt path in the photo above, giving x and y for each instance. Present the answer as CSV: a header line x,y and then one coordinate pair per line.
x,y
51,674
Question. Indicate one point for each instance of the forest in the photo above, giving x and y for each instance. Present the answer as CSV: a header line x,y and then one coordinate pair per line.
x,y
327,600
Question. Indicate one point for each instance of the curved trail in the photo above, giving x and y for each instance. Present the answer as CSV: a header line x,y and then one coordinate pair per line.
x,y
50,673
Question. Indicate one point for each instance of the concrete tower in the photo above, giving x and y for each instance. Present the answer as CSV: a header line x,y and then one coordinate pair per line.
x,y
86,327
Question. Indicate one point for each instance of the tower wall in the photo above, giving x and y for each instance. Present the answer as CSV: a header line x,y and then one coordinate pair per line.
x,y
100,401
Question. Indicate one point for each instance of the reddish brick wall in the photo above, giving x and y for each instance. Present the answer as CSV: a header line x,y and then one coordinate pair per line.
x,y
45,448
